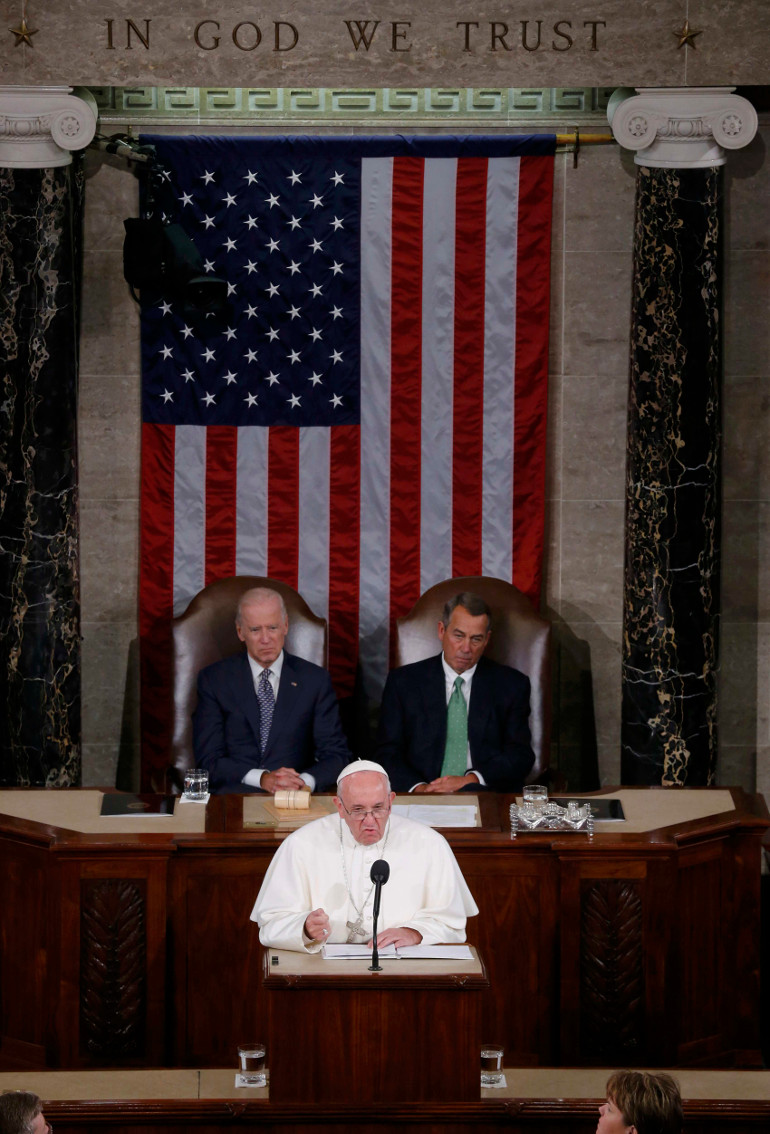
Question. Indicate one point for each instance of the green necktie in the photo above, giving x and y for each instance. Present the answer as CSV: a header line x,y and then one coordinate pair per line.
x,y
456,751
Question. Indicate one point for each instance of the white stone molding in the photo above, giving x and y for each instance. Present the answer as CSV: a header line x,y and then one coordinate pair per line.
x,y
681,127
41,126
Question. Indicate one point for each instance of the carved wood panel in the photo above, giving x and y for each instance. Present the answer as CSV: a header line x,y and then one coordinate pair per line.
x,y
113,967
612,1007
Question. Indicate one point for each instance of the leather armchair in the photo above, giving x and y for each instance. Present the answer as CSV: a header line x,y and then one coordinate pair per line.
x,y
206,633
520,638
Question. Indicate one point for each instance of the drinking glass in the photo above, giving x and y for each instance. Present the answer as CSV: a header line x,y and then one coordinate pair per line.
x,y
536,794
491,1065
252,1058
196,784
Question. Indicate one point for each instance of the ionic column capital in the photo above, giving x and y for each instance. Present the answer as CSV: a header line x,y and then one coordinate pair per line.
x,y
41,126
681,127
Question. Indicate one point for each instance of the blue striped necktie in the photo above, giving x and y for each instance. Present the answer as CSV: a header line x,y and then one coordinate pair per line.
x,y
266,699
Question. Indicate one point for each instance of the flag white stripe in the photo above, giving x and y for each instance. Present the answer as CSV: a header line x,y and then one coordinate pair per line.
x,y
374,575
189,514
313,567
251,502
499,366
438,303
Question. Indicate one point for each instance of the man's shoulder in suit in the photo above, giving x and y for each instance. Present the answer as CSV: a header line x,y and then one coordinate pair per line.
x,y
413,671
225,667
497,672
301,665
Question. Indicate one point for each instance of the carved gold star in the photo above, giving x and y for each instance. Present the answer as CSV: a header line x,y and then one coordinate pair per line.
x,y
23,33
686,36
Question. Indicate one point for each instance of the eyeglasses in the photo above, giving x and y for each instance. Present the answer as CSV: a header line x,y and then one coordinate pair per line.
x,y
379,811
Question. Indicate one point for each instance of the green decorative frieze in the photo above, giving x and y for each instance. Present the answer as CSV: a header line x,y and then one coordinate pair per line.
x,y
269,106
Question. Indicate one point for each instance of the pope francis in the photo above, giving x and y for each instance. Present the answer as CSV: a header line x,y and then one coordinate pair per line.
x,y
318,886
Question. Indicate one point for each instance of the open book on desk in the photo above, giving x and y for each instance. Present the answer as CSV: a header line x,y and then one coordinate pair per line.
x,y
390,952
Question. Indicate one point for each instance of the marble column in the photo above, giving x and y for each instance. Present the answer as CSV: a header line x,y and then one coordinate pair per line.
x,y
40,215
673,479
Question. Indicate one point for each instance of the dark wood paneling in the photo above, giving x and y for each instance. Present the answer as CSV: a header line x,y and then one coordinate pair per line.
x,y
215,955
617,959
104,895
373,1039
547,1116
740,932
24,944
518,899
700,966
612,986
113,968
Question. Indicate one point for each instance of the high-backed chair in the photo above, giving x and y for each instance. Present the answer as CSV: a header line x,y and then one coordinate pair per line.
x,y
520,637
206,633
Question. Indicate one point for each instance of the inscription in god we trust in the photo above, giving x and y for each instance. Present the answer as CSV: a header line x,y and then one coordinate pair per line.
x,y
370,36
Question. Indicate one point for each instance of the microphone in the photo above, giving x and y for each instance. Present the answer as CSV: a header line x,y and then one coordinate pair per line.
x,y
380,872
379,875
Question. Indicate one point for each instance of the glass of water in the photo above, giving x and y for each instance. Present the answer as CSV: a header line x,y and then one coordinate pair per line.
x,y
196,784
536,794
491,1065
251,1057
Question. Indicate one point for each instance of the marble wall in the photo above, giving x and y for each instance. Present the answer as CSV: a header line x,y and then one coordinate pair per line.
x,y
593,230
745,671
39,600
408,42
109,424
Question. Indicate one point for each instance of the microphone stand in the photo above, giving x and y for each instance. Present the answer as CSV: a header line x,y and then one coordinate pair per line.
x,y
375,966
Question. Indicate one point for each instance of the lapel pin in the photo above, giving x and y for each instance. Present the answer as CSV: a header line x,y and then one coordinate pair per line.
x,y
294,683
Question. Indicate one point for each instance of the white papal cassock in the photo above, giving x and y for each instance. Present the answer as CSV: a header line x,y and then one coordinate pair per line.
x,y
426,890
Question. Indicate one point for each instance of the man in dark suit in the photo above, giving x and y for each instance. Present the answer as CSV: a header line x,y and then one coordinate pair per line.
x,y
457,720
266,719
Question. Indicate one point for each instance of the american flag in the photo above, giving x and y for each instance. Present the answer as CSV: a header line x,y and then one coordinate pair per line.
x,y
367,417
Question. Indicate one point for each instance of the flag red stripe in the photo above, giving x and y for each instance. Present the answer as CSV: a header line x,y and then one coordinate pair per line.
x,y
468,410
221,482
531,389
156,598
282,500
405,390
344,543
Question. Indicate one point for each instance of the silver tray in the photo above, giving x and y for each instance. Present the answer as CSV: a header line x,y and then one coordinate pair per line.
x,y
545,818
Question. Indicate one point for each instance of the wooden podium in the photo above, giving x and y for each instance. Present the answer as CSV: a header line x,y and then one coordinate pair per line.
x,y
340,1033
111,943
